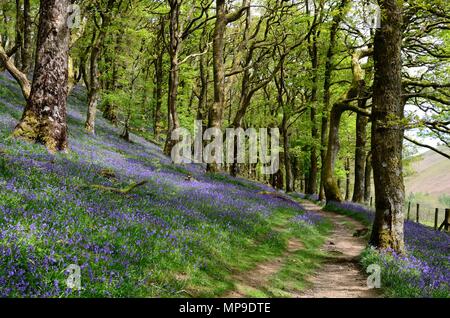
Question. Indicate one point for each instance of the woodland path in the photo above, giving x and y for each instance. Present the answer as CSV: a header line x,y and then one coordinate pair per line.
x,y
340,276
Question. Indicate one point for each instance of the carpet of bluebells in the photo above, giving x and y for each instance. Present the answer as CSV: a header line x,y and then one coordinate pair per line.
x,y
425,269
138,244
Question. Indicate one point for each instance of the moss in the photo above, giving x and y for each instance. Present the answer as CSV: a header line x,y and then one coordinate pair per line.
x,y
27,128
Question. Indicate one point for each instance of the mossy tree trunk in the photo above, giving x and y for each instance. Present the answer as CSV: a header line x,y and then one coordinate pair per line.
x,y
356,92
327,91
44,117
387,130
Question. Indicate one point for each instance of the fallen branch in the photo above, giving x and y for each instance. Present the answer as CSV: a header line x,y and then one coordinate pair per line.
x,y
126,190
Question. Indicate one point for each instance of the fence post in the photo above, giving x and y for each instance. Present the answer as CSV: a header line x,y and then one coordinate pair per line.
x,y
417,213
436,214
447,219
409,209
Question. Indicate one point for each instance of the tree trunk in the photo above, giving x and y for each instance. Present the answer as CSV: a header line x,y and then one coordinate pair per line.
x,y
44,117
94,90
357,90
94,74
110,112
314,56
174,50
26,49
216,110
287,157
215,114
387,130
332,192
368,178
18,40
326,91
360,158
159,77
347,179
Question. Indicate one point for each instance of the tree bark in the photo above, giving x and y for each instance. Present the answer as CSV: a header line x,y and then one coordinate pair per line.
x,y
314,56
94,74
387,130
215,114
174,76
368,178
159,77
110,111
287,157
44,117
326,91
26,49
360,158
18,40
356,90
347,179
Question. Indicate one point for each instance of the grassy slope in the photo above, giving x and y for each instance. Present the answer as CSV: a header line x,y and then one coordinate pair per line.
x,y
430,180
170,238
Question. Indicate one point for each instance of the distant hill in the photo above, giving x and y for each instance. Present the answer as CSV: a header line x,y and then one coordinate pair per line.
x,y
431,178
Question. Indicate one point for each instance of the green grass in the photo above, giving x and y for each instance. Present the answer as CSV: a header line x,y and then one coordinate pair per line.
x,y
297,266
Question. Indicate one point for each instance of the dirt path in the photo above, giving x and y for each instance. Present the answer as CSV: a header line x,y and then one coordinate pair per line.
x,y
260,275
339,277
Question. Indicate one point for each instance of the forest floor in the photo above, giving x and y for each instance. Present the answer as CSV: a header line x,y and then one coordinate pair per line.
x,y
340,275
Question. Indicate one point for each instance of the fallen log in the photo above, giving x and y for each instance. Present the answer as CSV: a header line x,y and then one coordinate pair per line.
x,y
125,190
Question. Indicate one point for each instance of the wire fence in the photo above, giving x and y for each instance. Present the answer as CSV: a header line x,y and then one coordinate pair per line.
x,y
426,214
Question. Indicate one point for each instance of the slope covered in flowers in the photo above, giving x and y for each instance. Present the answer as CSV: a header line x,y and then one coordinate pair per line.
x,y
152,242
425,269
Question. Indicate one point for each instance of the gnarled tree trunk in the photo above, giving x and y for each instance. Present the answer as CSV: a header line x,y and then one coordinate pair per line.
x,y
357,90
44,117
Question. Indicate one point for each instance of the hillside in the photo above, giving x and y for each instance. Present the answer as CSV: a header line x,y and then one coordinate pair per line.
x,y
431,178
173,236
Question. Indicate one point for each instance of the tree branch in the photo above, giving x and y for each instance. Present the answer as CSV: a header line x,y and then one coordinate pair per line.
x,y
427,146
20,77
